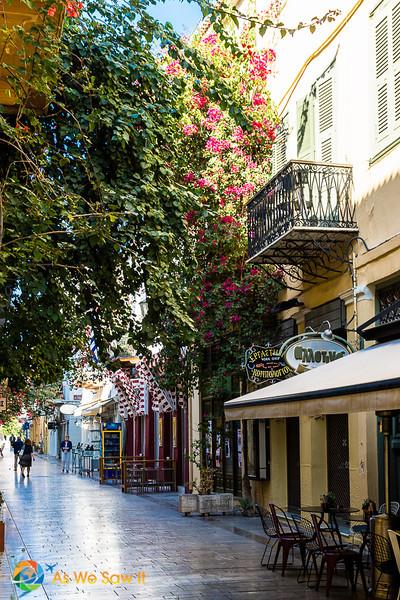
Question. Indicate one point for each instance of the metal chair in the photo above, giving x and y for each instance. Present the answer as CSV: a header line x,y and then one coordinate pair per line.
x,y
333,553
394,508
269,530
394,537
306,531
382,560
288,538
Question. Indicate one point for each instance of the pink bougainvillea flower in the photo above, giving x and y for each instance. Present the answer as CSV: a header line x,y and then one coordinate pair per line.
x,y
73,8
235,169
208,336
189,177
199,100
238,134
216,145
210,39
52,10
214,114
174,68
223,260
190,129
227,219
235,318
259,100
254,271
191,216
228,304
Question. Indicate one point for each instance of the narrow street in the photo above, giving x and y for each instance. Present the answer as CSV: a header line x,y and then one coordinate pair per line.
x,y
79,526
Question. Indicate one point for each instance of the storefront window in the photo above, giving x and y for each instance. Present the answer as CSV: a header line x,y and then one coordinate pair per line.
x,y
258,449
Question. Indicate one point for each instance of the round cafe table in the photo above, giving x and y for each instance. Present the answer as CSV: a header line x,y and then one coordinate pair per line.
x,y
332,512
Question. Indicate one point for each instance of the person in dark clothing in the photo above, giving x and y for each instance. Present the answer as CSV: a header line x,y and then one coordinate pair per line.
x,y
25,460
17,447
12,440
66,453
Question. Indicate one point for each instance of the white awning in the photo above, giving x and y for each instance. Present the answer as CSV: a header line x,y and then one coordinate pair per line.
x,y
367,380
91,410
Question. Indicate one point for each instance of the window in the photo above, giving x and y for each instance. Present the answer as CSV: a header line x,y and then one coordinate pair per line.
x,y
315,121
258,449
279,149
386,35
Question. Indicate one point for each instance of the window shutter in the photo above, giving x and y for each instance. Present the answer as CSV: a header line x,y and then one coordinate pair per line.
x,y
396,61
325,119
381,71
279,149
305,128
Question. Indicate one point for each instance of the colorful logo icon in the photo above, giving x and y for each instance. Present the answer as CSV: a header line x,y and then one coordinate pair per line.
x,y
28,575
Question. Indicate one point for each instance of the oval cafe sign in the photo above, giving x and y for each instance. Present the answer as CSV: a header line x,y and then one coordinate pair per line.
x,y
298,354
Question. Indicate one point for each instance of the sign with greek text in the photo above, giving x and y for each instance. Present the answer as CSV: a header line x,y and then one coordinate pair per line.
x,y
265,364
269,364
305,354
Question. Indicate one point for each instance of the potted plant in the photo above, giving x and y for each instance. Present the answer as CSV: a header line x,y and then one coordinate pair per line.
x,y
204,501
369,509
328,501
246,507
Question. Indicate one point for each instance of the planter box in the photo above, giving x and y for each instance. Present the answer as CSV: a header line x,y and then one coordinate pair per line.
x,y
208,503
188,503
225,503
205,504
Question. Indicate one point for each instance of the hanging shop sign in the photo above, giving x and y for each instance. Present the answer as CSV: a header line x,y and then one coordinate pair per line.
x,y
265,364
308,353
270,364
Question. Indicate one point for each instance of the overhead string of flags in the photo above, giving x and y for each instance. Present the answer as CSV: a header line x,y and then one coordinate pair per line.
x,y
133,393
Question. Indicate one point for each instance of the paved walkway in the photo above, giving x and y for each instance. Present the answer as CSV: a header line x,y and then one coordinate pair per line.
x,y
80,526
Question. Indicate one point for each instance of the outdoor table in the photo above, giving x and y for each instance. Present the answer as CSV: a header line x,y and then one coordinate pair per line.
x,y
332,512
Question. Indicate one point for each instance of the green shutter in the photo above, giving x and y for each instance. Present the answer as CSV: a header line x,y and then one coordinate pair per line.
x,y
305,128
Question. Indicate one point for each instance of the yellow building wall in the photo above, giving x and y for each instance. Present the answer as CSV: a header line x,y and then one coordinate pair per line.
x,y
275,490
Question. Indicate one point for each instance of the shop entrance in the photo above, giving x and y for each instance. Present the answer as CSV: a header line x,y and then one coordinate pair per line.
x,y
337,436
293,462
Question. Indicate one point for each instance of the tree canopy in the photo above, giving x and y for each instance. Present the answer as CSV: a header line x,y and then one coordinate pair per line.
x,y
116,185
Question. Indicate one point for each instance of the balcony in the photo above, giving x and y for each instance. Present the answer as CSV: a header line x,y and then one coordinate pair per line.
x,y
302,215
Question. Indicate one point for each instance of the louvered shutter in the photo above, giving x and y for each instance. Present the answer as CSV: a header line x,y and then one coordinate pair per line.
x,y
396,62
279,149
381,73
305,128
325,119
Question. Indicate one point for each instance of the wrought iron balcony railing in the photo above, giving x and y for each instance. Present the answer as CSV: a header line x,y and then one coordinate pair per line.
x,y
303,210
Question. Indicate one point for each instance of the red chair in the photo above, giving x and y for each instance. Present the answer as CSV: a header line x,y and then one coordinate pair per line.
x,y
333,553
288,538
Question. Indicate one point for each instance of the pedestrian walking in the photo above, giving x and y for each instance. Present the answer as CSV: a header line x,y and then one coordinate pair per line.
x,y
25,460
66,454
12,440
2,445
17,447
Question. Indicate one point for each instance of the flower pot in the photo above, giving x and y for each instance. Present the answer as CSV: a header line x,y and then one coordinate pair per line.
x,y
188,503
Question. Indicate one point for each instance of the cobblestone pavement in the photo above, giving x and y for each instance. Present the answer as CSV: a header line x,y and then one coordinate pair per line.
x,y
80,526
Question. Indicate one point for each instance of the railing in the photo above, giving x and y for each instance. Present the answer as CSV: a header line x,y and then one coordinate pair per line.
x,y
302,195
142,476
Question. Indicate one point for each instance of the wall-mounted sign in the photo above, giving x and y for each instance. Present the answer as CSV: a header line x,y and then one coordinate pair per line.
x,y
3,404
308,353
269,364
265,364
